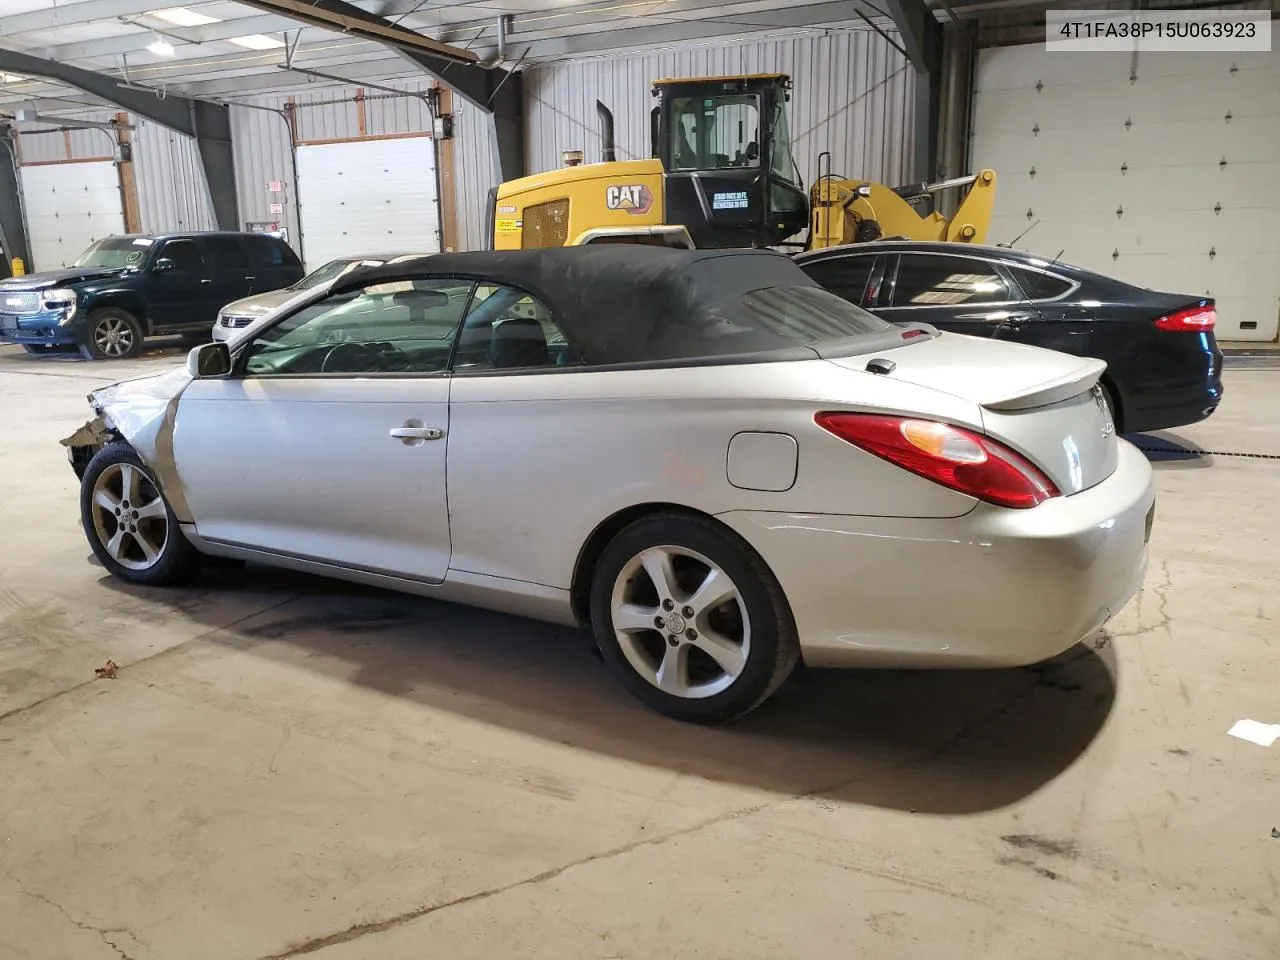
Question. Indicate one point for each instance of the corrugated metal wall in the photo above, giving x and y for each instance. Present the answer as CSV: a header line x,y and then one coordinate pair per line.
x,y
172,194
475,164
260,145
42,143
324,112
171,190
853,95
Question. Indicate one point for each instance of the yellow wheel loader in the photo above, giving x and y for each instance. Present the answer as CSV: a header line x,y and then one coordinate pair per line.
x,y
721,175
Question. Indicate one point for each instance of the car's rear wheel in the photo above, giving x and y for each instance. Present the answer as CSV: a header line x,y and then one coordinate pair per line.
x,y
112,334
130,526
691,619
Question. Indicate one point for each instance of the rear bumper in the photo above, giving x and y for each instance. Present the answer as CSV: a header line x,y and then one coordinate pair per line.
x,y
1174,409
994,588
1188,397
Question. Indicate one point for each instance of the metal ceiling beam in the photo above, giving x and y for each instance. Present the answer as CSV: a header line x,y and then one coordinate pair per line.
x,y
922,39
13,228
137,41
208,123
921,33
552,45
87,11
495,91
347,18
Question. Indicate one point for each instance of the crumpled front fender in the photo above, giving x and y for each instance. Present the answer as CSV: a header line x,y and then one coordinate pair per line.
x,y
141,412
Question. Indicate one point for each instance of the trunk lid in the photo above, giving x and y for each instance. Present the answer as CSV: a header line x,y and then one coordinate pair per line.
x,y
1044,404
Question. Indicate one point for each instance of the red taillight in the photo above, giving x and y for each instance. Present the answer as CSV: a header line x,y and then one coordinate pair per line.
x,y
1191,320
952,456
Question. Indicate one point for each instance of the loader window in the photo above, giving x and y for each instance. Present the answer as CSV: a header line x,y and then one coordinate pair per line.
x,y
715,133
781,162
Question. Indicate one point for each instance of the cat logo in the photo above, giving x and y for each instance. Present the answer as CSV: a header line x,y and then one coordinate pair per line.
x,y
634,198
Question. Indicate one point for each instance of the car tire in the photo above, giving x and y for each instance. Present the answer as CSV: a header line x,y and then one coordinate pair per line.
x,y
129,523
708,662
111,334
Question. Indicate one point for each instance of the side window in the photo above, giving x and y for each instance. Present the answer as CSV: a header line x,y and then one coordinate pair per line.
x,y
264,253
1040,286
403,326
940,281
224,255
508,329
846,277
184,254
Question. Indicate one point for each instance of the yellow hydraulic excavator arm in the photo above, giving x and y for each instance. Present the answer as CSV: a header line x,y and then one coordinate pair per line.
x,y
846,211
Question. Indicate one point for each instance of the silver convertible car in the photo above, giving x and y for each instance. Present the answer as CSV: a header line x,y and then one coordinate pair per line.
x,y
713,462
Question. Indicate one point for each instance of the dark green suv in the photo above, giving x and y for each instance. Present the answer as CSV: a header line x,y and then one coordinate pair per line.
x,y
123,289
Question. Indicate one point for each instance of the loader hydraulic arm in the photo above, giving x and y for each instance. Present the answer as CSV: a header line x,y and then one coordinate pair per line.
x,y
853,211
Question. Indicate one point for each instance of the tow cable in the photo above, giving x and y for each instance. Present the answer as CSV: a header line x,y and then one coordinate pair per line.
x,y
1189,453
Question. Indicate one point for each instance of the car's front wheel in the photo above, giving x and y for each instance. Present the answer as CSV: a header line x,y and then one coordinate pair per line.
x,y
691,619
130,526
111,334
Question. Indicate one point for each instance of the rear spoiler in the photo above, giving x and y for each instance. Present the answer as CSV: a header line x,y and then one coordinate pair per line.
x,y
1069,385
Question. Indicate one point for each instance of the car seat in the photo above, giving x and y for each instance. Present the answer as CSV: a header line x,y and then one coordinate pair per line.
x,y
518,342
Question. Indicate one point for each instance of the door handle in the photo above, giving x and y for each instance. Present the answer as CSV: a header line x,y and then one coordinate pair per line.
x,y
414,433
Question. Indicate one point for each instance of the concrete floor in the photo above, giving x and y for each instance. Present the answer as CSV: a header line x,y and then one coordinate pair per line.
x,y
286,766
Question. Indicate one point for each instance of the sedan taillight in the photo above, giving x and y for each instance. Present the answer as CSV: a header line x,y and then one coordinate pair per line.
x,y
967,462
1191,320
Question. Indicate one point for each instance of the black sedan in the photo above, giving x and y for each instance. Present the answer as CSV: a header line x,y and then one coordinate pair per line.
x,y
1163,363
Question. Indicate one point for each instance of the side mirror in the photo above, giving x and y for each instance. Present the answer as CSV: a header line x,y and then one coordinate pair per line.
x,y
163,265
209,361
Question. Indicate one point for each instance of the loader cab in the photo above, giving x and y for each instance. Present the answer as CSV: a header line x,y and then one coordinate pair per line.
x,y
725,146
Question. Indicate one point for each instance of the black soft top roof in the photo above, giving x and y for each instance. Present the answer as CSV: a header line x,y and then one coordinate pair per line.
x,y
621,303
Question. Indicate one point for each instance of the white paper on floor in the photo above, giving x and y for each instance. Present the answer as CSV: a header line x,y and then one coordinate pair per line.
x,y
1263,734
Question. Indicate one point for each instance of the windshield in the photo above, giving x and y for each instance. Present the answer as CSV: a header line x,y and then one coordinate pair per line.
x,y
710,133
115,252
330,271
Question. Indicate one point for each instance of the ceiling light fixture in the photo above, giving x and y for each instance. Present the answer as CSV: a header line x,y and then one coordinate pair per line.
x,y
182,17
160,46
256,41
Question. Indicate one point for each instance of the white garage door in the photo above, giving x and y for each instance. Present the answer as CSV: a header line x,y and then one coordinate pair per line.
x,y
367,197
1167,181
69,206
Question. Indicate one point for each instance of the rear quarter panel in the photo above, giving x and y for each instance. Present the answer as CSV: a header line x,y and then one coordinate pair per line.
x,y
537,461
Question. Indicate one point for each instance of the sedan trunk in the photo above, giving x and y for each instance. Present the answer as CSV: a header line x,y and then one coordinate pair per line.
x,y
1042,403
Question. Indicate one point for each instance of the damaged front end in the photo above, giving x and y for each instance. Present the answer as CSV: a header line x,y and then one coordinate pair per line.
x,y
86,442
140,412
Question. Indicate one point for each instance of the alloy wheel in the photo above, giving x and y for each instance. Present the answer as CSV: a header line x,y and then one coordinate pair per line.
x,y
129,516
681,622
113,337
